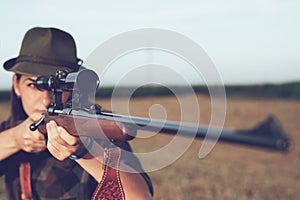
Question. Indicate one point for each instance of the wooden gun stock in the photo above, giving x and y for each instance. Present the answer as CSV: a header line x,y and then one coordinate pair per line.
x,y
91,127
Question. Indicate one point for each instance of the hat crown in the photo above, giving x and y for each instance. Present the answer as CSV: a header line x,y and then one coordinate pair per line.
x,y
50,43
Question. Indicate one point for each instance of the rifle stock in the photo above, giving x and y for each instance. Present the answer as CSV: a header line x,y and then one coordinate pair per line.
x,y
91,127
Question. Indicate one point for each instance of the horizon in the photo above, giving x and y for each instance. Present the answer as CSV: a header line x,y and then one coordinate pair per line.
x,y
194,86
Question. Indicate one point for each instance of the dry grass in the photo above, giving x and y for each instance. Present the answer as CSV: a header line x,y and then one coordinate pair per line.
x,y
229,171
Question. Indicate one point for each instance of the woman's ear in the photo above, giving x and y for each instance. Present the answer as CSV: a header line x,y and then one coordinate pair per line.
x,y
16,85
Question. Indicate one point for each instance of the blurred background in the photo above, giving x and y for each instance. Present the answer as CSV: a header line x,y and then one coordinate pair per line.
x,y
254,46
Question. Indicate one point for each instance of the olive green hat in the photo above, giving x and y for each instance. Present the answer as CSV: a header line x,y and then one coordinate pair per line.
x,y
43,52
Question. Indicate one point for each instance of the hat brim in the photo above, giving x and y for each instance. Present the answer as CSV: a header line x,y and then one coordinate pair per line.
x,y
9,63
36,69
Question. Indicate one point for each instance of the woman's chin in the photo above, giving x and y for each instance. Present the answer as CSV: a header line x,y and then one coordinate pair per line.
x,y
36,117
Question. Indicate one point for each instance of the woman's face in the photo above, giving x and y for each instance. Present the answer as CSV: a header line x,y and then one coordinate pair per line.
x,y
34,101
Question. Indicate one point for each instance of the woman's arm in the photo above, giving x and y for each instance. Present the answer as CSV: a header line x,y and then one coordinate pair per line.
x,y
62,145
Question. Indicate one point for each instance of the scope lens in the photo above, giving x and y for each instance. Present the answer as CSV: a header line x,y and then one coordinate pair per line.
x,y
45,83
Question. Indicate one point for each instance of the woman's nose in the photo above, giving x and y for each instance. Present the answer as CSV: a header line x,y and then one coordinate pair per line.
x,y
46,98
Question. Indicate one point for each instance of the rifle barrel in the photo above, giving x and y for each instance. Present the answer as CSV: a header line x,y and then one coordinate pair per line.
x,y
270,139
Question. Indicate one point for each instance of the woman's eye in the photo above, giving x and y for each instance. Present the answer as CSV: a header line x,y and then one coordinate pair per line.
x,y
31,85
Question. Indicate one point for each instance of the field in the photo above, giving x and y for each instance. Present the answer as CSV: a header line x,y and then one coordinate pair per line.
x,y
229,171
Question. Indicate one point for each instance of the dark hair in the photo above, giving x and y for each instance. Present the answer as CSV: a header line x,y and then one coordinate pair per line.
x,y
17,112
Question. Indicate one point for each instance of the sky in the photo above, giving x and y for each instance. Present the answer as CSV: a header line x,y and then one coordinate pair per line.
x,y
249,42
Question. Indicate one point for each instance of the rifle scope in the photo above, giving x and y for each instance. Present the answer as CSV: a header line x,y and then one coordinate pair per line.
x,y
85,81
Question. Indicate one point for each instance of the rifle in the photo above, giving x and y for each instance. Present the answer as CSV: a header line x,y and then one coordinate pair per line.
x,y
80,117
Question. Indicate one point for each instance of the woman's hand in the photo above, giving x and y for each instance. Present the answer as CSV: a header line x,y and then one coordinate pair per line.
x,y
60,143
27,140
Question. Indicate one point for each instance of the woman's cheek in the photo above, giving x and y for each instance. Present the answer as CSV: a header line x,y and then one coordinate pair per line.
x,y
30,111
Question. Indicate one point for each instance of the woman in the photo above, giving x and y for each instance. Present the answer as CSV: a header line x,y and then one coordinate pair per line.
x,y
24,152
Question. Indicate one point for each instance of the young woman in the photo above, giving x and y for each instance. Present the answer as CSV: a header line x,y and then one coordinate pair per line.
x,y
52,174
